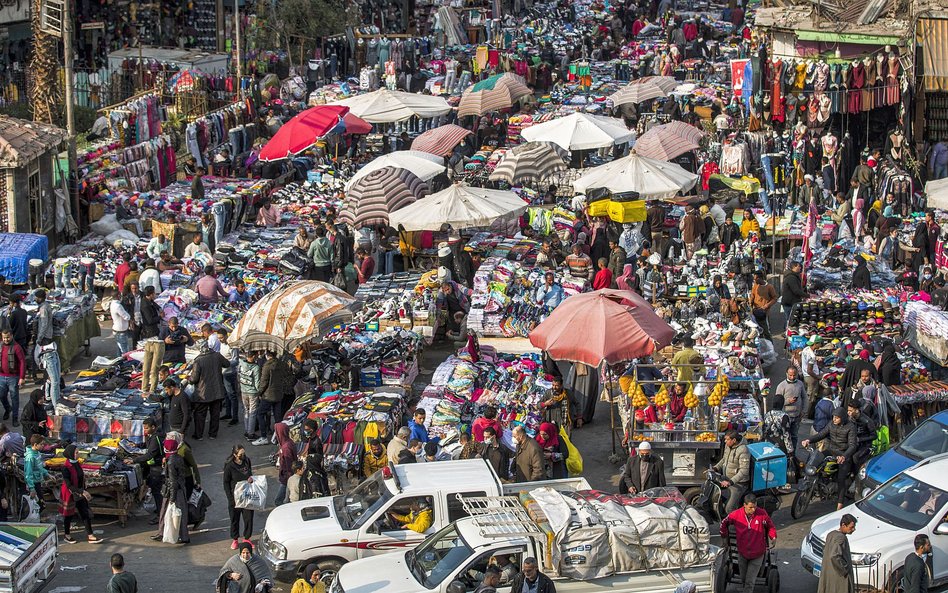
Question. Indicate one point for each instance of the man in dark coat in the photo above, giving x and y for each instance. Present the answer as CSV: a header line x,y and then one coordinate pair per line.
x,y
496,454
532,578
642,471
792,292
837,573
916,575
150,462
852,373
528,459
207,376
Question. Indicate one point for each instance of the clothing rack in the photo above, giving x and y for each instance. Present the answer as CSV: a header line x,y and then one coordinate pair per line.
x,y
118,107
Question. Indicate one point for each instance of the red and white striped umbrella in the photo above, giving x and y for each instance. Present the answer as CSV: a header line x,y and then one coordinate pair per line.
x,y
667,141
498,92
530,161
644,89
441,140
373,197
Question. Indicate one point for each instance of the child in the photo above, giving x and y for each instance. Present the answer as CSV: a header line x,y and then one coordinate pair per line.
x,y
293,483
603,277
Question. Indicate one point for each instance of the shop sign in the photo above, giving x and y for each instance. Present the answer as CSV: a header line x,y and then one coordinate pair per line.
x,y
737,75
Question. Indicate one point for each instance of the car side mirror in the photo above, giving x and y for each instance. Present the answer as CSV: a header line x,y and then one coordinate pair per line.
x,y
942,528
455,587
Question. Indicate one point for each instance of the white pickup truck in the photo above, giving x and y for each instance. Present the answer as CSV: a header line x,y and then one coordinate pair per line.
x,y
334,530
27,556
452,561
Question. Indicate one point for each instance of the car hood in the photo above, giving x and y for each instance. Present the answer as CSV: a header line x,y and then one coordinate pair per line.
x,y
304,524
387,572
883,467
872,535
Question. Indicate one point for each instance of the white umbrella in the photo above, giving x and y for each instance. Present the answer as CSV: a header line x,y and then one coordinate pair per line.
x,y
424,165
294,313
651,178
580,131
461,206
385,106
937,194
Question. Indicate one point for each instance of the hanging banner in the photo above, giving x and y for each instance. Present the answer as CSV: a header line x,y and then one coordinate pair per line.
x,y
737,75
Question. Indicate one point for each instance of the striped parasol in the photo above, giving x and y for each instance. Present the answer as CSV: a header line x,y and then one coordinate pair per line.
x,y
644,89
531,161
665,142
686,131
373,197
441,140
497,92
294,313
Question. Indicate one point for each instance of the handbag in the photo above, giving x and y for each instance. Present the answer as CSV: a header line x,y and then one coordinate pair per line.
x,y
339,280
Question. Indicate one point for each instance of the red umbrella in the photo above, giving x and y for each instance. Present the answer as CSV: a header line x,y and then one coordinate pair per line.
x,y
355,124
605,325
302,131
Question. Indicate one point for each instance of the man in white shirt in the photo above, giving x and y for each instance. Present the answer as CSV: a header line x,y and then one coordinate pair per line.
x,y
156,246
196,246
150,277
120,326
811,373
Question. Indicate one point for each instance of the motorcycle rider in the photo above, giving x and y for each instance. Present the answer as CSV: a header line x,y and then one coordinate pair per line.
x,y
842,445
735,465
866,427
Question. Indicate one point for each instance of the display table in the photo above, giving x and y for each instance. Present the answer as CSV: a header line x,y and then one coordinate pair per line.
x,y
77,338
111,494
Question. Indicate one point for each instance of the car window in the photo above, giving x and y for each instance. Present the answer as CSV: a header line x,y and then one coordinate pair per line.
x,y
929,439
403,514
455,508
905,502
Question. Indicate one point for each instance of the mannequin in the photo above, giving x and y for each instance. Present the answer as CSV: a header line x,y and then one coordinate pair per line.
x,y
894,144
830,145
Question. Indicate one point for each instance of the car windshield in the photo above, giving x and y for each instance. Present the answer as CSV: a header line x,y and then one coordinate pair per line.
x,y
355,508
904,502
930,438
438,557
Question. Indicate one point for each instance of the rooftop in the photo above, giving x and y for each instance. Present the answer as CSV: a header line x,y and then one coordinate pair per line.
x,y
856,17
22,141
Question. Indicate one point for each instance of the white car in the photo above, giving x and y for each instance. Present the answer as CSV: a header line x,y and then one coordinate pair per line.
x,y
887,521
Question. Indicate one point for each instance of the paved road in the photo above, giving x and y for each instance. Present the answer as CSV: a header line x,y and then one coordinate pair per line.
x,y
167,568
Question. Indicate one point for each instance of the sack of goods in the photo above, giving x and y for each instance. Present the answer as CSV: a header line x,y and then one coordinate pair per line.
x,y
595,534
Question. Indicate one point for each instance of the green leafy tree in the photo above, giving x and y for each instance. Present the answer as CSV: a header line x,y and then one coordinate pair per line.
x,y
296,25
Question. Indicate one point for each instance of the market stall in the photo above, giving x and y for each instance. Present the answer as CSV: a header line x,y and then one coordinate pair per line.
x,y
20,251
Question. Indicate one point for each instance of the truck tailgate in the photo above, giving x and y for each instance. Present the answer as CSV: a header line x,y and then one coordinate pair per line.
x,y
661,581
36,564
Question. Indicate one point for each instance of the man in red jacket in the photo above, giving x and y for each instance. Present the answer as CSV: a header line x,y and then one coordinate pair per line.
x,y
752,529
12,371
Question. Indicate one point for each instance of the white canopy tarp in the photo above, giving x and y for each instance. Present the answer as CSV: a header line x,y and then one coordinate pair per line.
x,y
580,131
424,165
462,206
937,193
651,178
384,106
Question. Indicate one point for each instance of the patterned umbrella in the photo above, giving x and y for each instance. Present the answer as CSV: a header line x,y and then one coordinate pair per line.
x,y
667,141
530,162
441,140
424,165
295,312
497,92
651,178
580,131
386,190
644,89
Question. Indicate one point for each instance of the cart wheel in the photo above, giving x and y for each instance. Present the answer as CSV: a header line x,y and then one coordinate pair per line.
x,y
773,580
691,495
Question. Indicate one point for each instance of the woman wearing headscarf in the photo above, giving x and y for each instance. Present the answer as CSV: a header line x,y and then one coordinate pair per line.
x,y
890,367
193,475
920,243
554,450
243,572
175,492
285,458
74,498
309,582
34,416
237,469
861,274
624,281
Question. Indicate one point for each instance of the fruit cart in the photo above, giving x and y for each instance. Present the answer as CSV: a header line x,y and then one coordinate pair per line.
x,y
688,446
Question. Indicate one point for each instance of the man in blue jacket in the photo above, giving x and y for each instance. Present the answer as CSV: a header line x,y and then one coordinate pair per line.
x,y
417,426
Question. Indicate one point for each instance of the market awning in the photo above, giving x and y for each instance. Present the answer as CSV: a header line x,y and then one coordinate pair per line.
x,y
833,37
933,37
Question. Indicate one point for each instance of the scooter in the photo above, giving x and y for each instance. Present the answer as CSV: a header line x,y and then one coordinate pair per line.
x,y
712,500
819,480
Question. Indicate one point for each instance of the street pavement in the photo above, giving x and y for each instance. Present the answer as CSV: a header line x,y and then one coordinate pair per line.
x,y
194,567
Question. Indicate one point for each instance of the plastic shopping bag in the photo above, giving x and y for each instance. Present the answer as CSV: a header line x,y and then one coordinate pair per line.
x,y
33,508
251,494
172,524
574,463
195,498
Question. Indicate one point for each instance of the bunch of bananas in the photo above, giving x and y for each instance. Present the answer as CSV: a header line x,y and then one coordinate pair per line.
x,y
691,400
662,398
639,399
720,389
706,437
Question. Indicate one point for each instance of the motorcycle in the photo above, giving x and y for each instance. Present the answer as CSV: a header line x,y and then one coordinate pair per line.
x,y
819,480
712,502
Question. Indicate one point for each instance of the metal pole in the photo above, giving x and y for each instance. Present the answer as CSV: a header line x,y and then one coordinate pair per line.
x,y
70,100
237,35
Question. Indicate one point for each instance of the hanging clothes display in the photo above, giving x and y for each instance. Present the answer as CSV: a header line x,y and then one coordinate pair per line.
x,y
209,132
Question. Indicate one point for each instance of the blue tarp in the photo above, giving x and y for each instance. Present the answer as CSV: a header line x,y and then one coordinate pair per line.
x,y
16,251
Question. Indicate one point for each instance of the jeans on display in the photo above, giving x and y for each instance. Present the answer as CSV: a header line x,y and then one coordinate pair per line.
x,y
124,341
765,200
219,210
62,273
236,138
49,362
10,394
86,277
449,80
154,352
765,164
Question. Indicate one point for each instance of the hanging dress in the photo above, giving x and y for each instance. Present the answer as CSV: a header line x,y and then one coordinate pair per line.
x,y
836,89
892,81
867,95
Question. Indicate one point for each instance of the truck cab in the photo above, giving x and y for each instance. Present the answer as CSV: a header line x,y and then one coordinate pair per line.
x,y
334,530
